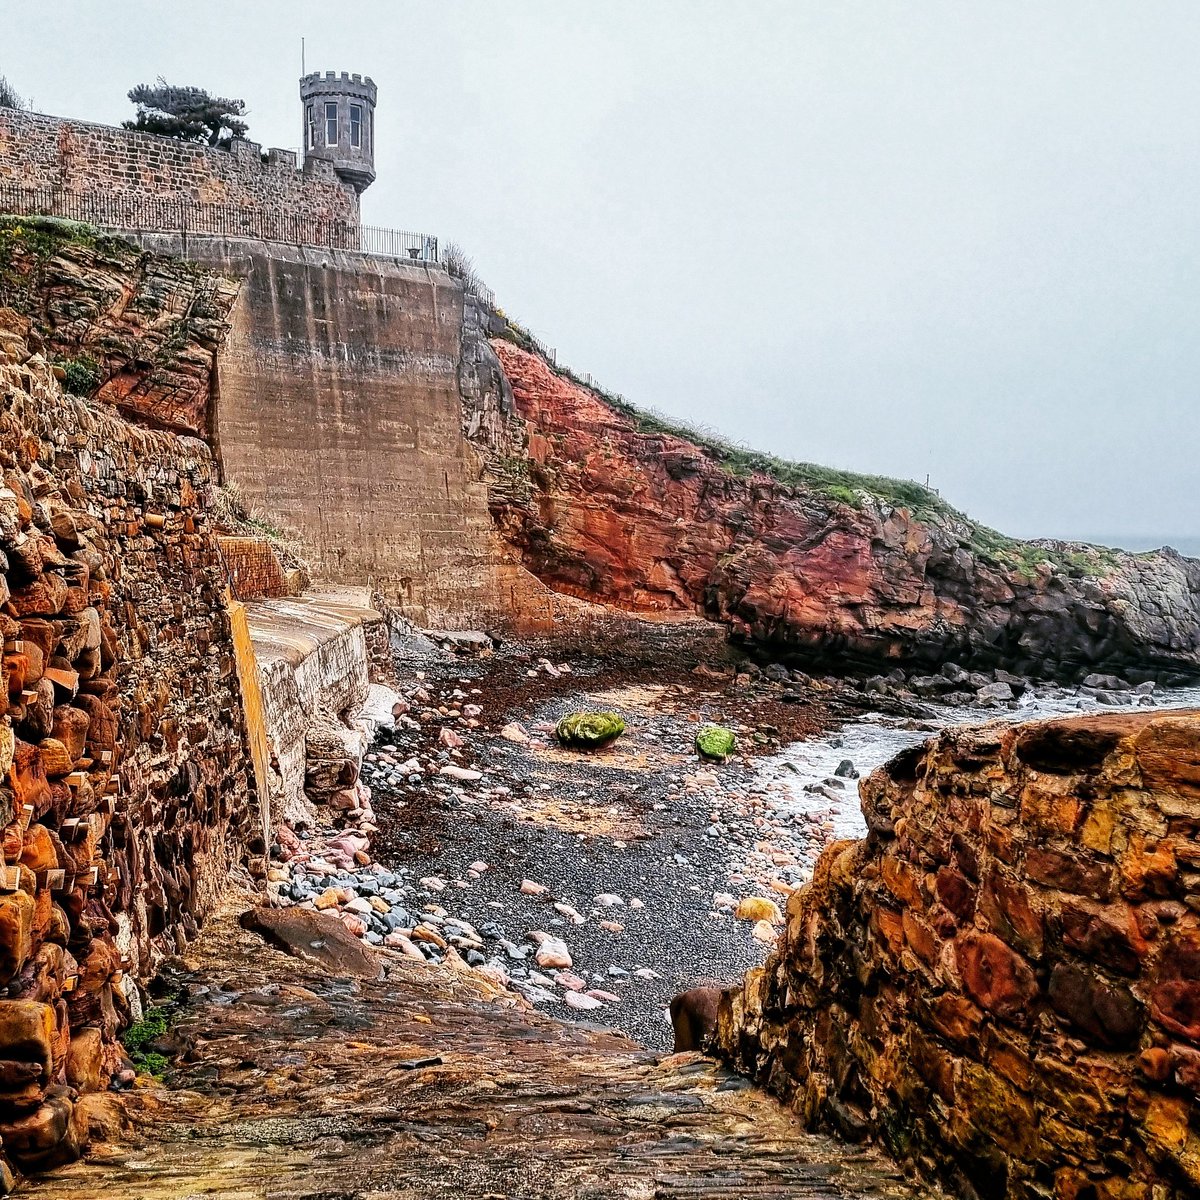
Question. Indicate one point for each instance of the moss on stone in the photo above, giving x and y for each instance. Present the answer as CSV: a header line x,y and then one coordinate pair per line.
x,y
139,1036
587,730
715,741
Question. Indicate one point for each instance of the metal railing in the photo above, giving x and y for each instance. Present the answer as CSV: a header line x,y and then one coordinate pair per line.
x,y
142,214
398,243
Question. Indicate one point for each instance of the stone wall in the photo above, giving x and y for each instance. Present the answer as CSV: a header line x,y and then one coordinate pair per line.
x,y
53,154
338,416
1002,981
253,568
126,802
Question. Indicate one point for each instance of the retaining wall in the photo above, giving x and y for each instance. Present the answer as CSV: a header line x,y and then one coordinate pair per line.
x,y
127,800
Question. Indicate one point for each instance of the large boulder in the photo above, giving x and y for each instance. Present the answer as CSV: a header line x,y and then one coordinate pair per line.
x,y
314,936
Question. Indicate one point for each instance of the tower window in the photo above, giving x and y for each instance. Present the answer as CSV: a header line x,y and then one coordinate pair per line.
x,y
356,125
331,123
310,127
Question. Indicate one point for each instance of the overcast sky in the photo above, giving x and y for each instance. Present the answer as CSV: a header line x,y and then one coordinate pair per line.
x,y
952,238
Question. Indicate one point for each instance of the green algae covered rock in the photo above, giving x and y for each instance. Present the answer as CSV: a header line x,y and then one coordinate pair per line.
x,y
587,730
714,741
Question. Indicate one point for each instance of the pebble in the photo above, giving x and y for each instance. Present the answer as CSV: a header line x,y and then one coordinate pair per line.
x,y
551,951
461,773
582,1002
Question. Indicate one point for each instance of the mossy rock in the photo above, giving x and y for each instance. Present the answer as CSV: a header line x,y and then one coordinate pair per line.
x,y
587,730
715,741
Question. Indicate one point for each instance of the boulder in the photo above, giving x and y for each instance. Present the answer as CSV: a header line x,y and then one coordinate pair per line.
x,y
587,730
315,936
714,741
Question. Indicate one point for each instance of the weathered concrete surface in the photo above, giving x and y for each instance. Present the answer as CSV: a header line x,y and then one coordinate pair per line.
x,y
299,1085
338,415
313,672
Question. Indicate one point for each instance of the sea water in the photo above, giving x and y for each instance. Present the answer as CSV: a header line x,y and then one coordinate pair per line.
x,y
873,739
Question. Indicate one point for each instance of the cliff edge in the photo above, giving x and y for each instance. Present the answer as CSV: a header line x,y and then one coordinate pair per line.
x,y
611,505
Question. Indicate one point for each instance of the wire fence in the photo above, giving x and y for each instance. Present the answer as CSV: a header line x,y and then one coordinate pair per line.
x,y
137,213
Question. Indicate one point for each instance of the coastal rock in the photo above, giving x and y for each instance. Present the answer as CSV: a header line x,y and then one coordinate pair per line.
x,y
811,568
1020,904
713,741
588,730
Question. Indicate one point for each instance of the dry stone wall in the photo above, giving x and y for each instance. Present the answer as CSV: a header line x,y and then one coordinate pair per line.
x,y
124,790
1002,981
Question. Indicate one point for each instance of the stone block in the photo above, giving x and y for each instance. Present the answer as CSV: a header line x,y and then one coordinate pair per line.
x,y
16,925
28,1030
996,978
85,1061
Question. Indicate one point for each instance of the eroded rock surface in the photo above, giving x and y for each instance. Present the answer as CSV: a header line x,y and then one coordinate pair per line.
x,y
433,1083
1002,981
151,324
651,522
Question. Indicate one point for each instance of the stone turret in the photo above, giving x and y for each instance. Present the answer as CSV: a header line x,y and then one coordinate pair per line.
x,y
339,124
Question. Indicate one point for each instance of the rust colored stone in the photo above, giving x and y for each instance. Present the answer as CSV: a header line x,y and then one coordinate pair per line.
x,y
1107,1011
998,979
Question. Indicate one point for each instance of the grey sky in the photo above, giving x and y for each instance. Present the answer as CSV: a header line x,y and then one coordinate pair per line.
x,y
955,238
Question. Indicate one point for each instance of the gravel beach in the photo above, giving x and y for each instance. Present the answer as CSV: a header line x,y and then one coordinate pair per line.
x,y
634,856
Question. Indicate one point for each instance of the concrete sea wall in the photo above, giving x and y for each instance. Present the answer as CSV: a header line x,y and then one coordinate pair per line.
x,y
338,415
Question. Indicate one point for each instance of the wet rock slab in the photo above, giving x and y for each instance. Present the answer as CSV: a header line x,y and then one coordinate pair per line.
x,y
428,1083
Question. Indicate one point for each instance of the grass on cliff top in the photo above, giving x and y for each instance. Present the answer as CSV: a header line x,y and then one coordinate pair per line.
x,y
27,244
851,488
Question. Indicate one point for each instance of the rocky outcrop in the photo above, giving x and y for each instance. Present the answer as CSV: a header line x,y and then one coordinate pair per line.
x,y
1002,981
132,329
607,509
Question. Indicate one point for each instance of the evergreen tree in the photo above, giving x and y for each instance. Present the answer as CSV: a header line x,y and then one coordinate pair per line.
x,y
188,113
9,96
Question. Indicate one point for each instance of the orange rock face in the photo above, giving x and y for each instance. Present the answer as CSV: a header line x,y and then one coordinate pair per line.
x,y
1002,980
651,522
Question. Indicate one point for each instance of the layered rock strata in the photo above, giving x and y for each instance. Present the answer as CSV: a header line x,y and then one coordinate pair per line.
x,y
147,326
1002,981
124,790
605,510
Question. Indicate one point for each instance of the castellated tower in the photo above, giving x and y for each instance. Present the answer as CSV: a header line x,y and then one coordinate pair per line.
x,y
339,124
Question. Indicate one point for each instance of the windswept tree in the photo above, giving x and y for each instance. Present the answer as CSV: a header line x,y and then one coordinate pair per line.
x,y
188,113
10,97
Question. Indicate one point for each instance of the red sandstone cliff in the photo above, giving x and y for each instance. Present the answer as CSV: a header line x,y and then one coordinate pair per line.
x,y
648,520
148,325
